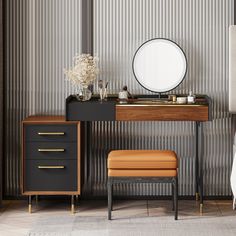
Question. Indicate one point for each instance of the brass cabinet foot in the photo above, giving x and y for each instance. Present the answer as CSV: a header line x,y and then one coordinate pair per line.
x,y
30,208
72,205
72,209
197,196
29,204
201,208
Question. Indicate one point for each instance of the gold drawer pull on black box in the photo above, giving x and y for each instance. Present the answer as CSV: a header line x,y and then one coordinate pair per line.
x,y
51,167
51,133
51,149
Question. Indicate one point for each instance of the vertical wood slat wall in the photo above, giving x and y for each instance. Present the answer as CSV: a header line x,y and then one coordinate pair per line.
x,y
42,37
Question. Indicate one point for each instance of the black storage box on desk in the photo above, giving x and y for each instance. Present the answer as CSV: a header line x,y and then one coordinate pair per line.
x,y
92,110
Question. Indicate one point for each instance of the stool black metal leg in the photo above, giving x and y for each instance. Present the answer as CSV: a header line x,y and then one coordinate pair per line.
x,y
176,198
109,188
173,198
112,197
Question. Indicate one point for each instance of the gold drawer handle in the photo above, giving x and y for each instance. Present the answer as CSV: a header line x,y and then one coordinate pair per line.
x,y
51,167
51,133
51,150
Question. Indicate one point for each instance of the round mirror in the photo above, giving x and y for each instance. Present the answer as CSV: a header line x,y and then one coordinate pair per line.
x,y
159,65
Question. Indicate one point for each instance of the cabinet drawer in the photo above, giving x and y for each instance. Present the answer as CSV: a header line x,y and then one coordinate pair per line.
x,y
50,150
45,175
51,133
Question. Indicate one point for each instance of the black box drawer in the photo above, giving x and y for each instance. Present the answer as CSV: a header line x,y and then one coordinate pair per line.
x,y
50,150
92,110
51,133
48,175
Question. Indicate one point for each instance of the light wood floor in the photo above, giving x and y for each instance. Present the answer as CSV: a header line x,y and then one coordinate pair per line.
x,y
144,217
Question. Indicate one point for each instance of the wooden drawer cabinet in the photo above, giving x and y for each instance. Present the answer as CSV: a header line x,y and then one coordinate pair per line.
x,y
50,157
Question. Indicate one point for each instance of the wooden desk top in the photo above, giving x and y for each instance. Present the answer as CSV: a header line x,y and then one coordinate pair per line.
x,y
138,109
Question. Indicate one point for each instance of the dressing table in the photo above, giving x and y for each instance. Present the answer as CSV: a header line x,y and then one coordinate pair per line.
x,y
159,65
147,108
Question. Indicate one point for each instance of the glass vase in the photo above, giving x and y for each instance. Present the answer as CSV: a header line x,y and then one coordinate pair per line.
x,y
84,94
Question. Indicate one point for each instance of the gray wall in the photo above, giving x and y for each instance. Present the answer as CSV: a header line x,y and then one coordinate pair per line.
x,y
43,36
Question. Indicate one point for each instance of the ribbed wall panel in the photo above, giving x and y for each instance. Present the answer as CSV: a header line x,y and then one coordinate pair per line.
x,y
200,27
41,39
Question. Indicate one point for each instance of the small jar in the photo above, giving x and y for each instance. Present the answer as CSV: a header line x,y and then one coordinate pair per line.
x,y
191,97
172,98
123,96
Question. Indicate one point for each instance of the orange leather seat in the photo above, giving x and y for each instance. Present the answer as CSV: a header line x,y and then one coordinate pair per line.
x,y
146,163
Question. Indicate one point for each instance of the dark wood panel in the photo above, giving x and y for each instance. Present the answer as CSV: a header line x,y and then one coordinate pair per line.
x,y
162,113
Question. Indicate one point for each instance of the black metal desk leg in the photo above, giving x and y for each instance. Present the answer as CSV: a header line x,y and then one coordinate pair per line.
x,y
200,165
87,162
196,161
91,168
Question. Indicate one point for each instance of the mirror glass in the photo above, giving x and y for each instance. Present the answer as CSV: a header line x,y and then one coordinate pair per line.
x,y
159,65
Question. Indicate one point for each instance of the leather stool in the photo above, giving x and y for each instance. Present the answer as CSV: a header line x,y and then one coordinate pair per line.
x,y
143,166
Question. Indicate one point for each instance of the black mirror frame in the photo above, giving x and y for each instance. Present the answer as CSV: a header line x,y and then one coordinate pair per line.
x,y
171,42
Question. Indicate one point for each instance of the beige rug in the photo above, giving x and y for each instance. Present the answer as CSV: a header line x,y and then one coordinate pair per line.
x,y
143,226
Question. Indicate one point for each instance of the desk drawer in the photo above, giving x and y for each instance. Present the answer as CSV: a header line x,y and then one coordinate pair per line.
x,y
45,175
51,133
50,150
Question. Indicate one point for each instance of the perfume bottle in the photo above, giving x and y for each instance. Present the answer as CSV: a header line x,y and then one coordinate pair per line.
x,y
124,95
191,97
